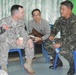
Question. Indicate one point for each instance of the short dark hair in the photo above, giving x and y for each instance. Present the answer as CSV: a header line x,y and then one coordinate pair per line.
x,y
69,4
36,10
15,8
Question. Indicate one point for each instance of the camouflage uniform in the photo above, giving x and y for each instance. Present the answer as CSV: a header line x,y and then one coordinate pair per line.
x,y
67,27
8,39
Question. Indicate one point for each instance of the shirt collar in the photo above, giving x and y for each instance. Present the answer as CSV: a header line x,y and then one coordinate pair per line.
x,y
38,22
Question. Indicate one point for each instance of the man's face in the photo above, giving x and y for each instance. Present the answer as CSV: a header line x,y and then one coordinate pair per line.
x,y
36,16
20,13
64,11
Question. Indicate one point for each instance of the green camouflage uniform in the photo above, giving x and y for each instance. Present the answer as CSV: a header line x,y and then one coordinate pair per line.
x,y
67,27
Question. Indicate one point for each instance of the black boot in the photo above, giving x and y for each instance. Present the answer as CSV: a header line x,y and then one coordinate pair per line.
x,y
71,70
52,61
59,64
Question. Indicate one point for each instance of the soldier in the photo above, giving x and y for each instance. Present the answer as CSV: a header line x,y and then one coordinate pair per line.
x,y
14,35
66,24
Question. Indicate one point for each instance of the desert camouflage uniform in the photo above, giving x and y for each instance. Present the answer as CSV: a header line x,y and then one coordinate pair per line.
x,y
67,27
8,39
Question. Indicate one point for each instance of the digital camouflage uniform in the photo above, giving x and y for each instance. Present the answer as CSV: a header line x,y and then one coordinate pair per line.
x,y
9,37
67,27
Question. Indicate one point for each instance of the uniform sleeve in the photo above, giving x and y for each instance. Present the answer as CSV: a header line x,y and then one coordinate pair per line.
x,y
23,33
2,30
74,28
72,36
47,31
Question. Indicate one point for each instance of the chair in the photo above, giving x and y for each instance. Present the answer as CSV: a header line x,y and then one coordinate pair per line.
x,y
55,61
56,57
74,56
19,52
44,52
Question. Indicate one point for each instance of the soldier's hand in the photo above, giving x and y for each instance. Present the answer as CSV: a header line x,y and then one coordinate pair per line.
x,y
37,39
19,42
30,43
51,38
56,45
5,27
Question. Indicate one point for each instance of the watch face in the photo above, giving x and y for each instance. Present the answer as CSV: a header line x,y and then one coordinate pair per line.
x,y
2,72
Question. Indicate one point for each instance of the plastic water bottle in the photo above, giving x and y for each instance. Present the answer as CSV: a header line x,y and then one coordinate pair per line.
x,y
57,49
53,41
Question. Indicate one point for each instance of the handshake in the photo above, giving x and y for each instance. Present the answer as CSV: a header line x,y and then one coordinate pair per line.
x,y
35,36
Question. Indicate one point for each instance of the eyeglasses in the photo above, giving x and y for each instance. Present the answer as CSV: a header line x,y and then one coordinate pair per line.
x,y
37,15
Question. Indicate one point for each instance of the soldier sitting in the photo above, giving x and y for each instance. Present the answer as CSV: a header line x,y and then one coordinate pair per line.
x,y
66,24
14,35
